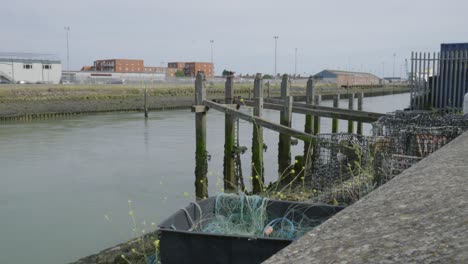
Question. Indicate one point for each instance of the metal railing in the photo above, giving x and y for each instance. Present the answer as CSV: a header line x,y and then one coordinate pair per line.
x,y
438,80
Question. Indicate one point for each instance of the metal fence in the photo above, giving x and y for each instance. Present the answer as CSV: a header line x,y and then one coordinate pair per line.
x,y
438,80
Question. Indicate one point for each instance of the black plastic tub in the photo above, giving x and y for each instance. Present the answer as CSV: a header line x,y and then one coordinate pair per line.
x,y
180,245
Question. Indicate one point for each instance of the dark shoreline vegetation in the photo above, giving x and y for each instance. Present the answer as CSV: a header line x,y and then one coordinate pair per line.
x,y
24,102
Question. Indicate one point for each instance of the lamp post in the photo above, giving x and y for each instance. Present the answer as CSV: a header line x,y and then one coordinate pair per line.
x,y
394,56
211,42
67,29
295,63
276,46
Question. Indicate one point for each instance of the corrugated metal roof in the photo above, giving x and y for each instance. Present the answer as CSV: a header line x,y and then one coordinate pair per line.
x,y
338,72
28,56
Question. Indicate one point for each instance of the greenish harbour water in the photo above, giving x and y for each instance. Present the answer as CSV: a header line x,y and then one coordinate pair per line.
x,y
60,177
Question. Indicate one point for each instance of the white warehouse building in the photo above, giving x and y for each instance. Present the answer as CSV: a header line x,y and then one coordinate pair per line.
x,y
29,68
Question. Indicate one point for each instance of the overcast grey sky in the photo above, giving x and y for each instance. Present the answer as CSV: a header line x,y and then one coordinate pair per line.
x,y
334,34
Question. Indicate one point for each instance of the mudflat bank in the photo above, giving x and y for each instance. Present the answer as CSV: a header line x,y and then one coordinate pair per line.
x,y
36,101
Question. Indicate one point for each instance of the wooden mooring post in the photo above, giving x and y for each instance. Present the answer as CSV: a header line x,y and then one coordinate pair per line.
x,y
309,119
284,145
359,106
317,101
336,104
257,174
351,107
230,181
201,157
146,102
309,129
268,89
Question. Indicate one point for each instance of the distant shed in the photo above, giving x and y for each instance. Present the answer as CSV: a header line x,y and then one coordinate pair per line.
x,y
346,78
29,68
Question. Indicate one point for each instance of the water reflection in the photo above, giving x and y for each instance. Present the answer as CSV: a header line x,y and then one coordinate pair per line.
x,y
61,176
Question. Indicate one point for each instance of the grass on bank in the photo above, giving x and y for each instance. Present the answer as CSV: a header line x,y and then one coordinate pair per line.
x,y
14,93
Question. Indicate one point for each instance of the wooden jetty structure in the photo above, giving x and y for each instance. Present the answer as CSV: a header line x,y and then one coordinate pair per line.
x,y
311,108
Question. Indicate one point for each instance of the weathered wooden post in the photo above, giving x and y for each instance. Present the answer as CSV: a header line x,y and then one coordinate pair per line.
x,y
309,118
201,161
146,102
336,104
230,181
317,101
307,159
284,145
257,140
359,106
351,107
268,89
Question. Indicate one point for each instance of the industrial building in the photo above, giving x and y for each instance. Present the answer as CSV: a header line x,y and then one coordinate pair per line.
x,y
94,77
119,65
129,66
29,68
190,69
346,78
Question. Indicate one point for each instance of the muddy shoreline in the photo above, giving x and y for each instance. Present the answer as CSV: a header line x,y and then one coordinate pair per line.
x,y
30,103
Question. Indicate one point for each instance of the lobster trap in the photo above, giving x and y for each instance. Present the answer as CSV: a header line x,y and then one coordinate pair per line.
x,y
398,141
393,124
339,157
416,135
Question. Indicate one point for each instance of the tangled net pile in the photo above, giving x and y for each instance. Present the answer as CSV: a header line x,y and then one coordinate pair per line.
x,y
392,125
337,156
347,166
248,215
417,134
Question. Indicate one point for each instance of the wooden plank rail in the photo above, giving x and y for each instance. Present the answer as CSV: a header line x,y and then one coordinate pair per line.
x,y
260,121
233,179
358,113
323,111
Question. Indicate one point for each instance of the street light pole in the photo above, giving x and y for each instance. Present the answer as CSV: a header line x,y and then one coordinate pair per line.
x,y
67,28
394,56
211,41
295,62
276,46
212,65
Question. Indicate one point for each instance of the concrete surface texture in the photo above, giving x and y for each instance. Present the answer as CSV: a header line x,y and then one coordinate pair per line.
x,y
421,216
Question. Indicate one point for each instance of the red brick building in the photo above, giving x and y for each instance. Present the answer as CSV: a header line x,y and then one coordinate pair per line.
x,y
190,69
176,65
155,70
119,65
171,72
